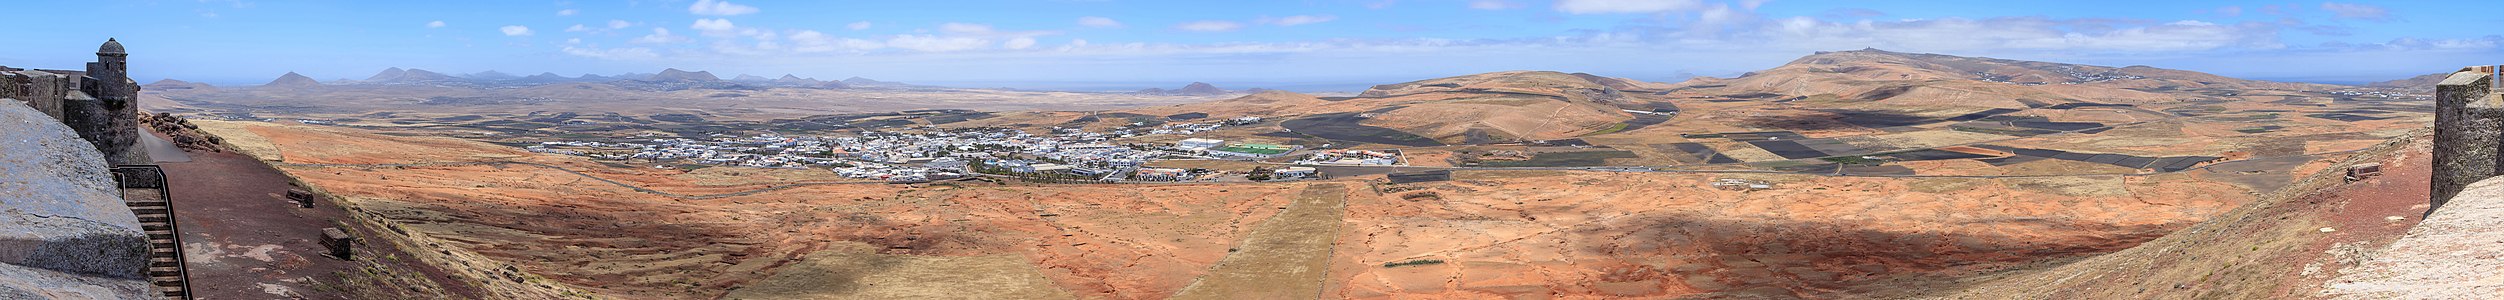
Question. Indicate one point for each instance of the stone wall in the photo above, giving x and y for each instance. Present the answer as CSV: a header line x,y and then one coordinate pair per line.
x,y
2469,133
43,91
64,232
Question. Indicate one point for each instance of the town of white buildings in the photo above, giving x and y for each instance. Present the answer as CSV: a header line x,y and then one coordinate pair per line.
x,y
930,154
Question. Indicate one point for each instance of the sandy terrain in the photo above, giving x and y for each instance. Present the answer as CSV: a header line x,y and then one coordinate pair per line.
x,y
561,223
2287,245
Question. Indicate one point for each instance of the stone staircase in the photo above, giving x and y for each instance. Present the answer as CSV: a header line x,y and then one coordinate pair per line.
x,y
144,190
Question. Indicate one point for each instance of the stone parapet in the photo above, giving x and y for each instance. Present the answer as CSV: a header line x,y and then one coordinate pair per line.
x,y
2468,132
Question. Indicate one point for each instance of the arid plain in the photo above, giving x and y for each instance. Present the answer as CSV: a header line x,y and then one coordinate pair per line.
x,y
1886,172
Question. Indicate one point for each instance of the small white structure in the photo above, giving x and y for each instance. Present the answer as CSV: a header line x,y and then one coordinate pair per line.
x,y
1200,144
1044,168
1294,172
1160,174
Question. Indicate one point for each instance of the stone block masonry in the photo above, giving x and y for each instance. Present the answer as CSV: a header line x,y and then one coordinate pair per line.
x,y
101,103
2468,132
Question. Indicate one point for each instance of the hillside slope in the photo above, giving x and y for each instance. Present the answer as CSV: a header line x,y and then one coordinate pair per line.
x,y
1469,109
2285,245
2419,83
1881,79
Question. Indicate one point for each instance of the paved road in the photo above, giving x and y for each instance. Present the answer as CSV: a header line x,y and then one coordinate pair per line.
x,y
159,149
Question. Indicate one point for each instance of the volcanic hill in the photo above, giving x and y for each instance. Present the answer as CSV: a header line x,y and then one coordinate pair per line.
x,y
674,74
2419,83
1481,108
292,80
1880,79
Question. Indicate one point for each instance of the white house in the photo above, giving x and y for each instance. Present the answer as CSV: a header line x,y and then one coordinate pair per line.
x,y
1295,172
1200,144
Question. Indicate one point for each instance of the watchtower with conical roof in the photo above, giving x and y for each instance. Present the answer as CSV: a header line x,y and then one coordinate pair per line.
x,y
109,116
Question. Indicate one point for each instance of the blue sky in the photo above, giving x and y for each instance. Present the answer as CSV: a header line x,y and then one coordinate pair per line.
x,y
1123,44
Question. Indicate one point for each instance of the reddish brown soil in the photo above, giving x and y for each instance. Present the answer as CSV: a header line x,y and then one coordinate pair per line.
x,y
1496,234
2274,248
244,240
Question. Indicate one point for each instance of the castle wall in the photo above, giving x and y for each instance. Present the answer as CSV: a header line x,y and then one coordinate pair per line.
x,y
2468,133
101,103
108,117
43,91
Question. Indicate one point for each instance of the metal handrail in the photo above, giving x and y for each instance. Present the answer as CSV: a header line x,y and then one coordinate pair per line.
x,y
153,177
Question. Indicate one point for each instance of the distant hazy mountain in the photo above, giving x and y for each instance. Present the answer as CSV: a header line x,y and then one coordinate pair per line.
x,y
388,75
293,80
171,85
550,77
1193,89
681,75
491,75
2423,83
398,75
795,80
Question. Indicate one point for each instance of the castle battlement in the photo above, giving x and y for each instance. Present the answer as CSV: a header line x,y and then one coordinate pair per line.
x,y
101,103
2468,131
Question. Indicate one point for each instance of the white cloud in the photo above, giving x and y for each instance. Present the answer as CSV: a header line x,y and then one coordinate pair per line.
x,y
1019,43
1493,4
928,43
613,54
811,41
719,8
659,36
1625,6
1752,4
574,41
965,28
986,31
515,30
857,25
2367,12
566,12
1210,26
1298,20
713,26
620,24
578,28
435,24
1099,22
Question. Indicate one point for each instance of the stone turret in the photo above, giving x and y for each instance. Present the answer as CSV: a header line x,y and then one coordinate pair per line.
x,y
108,115
2468,132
